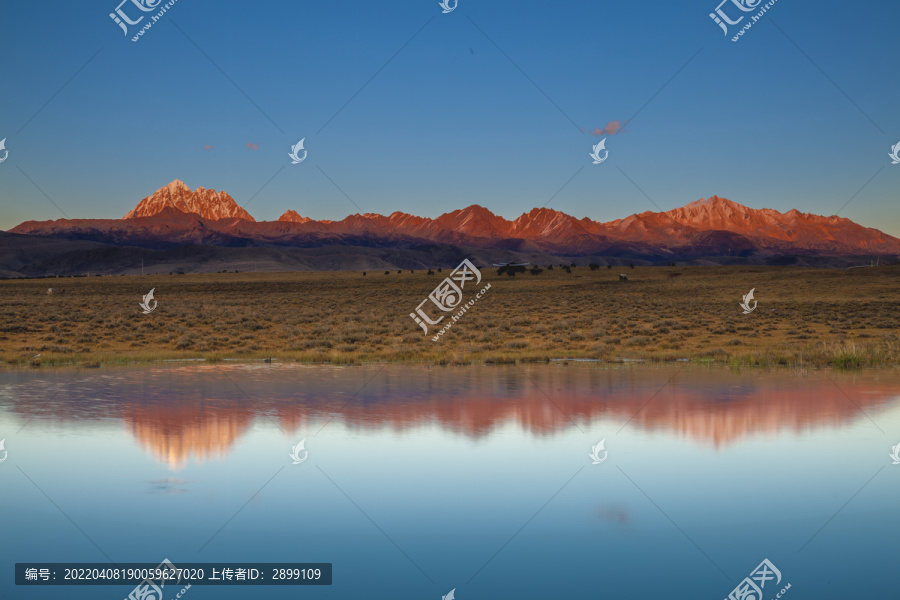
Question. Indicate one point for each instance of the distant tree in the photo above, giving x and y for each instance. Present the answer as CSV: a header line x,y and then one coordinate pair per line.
x,y
364,273
631,265
511,269
609,266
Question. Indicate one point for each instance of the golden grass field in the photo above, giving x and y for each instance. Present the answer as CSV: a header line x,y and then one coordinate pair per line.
x,y
804,317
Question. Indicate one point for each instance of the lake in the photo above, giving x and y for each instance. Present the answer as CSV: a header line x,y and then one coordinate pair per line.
x,y
415,481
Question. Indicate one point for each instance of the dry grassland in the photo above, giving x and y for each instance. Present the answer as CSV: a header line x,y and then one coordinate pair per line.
x,y
805,317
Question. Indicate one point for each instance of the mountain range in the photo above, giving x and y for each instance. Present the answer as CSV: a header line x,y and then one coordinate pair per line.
x,y
711,230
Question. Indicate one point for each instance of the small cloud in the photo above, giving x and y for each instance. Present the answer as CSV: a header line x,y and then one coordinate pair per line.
x,y
612,128
252,147
207,147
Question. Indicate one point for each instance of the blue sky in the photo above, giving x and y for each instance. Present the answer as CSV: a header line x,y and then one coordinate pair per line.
x,y
800,113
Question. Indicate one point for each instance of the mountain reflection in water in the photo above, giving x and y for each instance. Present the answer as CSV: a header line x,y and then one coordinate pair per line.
x,y
200,411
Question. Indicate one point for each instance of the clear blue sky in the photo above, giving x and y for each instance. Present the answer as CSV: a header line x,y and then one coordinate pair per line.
x,y
450,121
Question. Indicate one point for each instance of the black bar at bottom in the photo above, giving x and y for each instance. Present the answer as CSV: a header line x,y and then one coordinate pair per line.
x,y
167,574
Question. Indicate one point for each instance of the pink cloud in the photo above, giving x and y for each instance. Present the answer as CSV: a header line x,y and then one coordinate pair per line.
x,y
207,147
612,128
252,147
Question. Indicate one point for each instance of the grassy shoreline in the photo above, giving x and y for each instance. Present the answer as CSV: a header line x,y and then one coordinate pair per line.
x,y
845,356
805,318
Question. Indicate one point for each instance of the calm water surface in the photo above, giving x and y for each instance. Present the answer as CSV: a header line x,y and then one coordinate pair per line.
x,y
420,480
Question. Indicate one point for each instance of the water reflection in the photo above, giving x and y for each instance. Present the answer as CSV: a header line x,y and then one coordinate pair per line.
x,y
419,477
200,412
174,434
